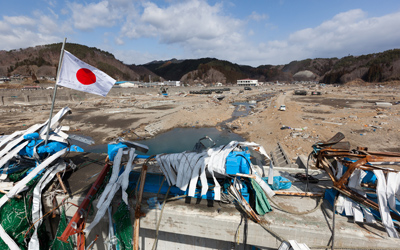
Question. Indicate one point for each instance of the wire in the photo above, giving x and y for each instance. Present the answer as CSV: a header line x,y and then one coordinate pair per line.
x,y
298,213
46,214
159,220
333,221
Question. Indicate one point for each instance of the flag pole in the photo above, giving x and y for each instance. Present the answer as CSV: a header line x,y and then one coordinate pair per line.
x,y
55,90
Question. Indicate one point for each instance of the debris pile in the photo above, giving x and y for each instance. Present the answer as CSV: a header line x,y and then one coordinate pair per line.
x,y
366,185
29,160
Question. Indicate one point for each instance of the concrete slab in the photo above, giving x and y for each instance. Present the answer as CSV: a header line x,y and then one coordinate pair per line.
x,y
203,224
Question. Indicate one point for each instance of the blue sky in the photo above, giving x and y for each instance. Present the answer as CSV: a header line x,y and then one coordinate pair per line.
x,y
243,32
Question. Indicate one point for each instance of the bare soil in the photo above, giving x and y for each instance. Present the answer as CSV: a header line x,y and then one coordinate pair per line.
x,y
350,110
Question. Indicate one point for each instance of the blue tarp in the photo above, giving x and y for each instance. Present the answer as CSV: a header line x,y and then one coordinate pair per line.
x,y
279,183
112,149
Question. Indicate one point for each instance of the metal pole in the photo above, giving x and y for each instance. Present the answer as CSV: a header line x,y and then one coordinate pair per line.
x,y
55,91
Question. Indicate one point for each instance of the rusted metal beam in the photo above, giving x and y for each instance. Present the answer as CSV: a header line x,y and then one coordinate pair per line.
x,y
363,157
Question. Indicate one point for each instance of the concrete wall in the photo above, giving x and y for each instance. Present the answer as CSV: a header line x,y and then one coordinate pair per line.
x,y
12,97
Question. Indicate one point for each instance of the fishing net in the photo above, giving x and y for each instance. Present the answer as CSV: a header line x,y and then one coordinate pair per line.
x,y
17,175
15,218
15,221
123,226
58,244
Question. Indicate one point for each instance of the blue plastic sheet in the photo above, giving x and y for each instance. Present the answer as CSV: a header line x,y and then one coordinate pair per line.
x,y
112,149
279,183
75,148
50,148
31,136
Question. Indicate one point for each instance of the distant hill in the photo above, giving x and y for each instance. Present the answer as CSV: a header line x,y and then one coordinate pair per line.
x,y
378,67
43,61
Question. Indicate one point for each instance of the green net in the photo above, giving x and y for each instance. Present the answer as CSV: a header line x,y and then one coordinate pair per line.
x,y
17,175
58,244
16,216
123,226
261,202
16,219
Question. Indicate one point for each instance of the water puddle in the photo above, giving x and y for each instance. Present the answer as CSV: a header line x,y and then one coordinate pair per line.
x,y
184,139
174,141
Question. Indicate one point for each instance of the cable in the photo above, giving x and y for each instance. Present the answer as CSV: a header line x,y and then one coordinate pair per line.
x,y
159,220
297,213
333,221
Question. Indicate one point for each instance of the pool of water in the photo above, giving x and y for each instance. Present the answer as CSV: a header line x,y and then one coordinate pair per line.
x,y
184,139
176,140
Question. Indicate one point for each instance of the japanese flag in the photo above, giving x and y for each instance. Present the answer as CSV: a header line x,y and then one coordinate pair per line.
x,y
81,76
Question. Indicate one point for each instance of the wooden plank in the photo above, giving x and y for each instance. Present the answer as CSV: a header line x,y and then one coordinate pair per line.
x,y
294,193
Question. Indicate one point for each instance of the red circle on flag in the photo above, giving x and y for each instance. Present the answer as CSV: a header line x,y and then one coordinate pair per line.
x,y
85,76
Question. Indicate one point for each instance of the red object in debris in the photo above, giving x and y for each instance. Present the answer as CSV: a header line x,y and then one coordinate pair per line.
x,y
75,225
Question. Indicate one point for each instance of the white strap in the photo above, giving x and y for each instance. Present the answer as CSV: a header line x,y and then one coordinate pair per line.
x,y
190,171
37,212
392,188
112,188
195,175
18,187
11,154
11,137
125,175
383,207
113,178
15,142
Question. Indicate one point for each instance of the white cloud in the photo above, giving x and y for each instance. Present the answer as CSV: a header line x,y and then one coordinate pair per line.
x,y
23,31
23,38
20,20
196,28
93,15
199,28
181,22
4,27
48,25
119,41
258,17
351,32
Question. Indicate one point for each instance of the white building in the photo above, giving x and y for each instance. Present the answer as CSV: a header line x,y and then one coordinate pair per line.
x,y
247,82
172,83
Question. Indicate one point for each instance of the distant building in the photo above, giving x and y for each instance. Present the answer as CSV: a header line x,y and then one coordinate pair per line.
x,y
126,84
247,82
4,79
172,83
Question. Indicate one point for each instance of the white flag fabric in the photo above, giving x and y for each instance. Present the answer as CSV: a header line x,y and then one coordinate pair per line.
x,y
81,76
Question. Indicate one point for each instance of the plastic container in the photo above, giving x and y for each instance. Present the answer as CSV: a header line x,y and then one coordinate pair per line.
x,y
238,162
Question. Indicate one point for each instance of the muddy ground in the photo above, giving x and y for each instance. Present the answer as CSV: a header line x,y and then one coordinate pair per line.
x,y
307,119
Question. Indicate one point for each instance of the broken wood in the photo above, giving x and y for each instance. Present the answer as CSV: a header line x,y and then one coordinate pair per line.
x,y
5,192
61,183
138,213
305,194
